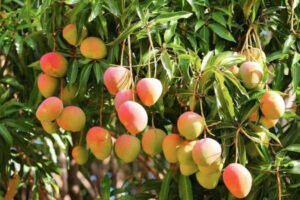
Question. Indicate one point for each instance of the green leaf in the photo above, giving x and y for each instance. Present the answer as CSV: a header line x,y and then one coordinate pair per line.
x,y
296,70
98,72
105,187
221,31
165,17
219,18
199,24
167,64
5,134
165,186
293,148
84,77
185,188
73,72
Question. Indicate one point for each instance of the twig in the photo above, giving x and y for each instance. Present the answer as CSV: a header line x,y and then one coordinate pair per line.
x,y
149,168
130,65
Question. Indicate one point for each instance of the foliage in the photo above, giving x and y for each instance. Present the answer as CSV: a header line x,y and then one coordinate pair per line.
x,y
189,46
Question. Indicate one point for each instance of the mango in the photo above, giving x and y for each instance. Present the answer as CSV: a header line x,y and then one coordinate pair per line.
x,y
133,116
170,145
234,70
237,179
214,167
54,64
72,119
49,109
149,90
184,152
100,142
122,96
116,79
188,170
47,85
190,125
272,105
268,123
206,151
152,141
127,148
68,94
50,127
70,34
93,48
208,181
251,74
80,155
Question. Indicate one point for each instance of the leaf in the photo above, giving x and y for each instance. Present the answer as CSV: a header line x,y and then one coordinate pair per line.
x,y
293,148
105,187
73,72
167,64
288,43
127,31
84,77
218,17
5,134
221,31
165,186
199,24
165,17
98,72
247,7
185,188
96,10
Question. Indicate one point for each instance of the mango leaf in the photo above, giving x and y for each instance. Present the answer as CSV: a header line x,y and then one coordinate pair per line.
x,y
218,17
296,70
185,188
199,24
105,187
167,64
84,77
293,148
97,72
221,31
171,16
5,134
165,186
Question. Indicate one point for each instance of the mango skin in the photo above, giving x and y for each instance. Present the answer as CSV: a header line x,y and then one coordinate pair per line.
x,y
237,179
190,125
234,70
54,64
116,79
68,94
49,109
100,142
152,141
272,105
47,85
133,116
50,127
188,170
254,116
123,96
170,145
206,151
149,90
70,34
208,181
251,74
72,119
184,153
268,123
127,148
214,167
80,155
93,48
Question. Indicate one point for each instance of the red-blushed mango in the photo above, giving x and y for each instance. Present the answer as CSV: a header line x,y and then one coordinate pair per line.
x,y
251,74
234,70
70,34
93,48
253,116
54,64
272,105
268,123
50,127
68,94
152,141
127,148
122,96
170,145
133,116
80,155
49,109
206,151
237,179
99,141
188,170
149,90
214,167
190,125
184,152
47,85
72,119
116,79
208,181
